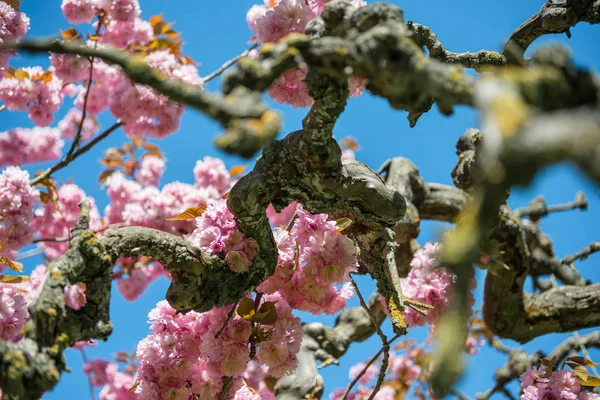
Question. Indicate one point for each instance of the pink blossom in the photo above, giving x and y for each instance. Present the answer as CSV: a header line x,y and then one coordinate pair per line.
x,y
371,372
211,172
140,276
122,10
69,125
17,199
318,6
151,169
530,376
84,343
13,313
13,26
216,232
531,393
118,386
96,371
283,217
27,146
290,88
287,16
55,219
41,97
79,11
70,68
75,296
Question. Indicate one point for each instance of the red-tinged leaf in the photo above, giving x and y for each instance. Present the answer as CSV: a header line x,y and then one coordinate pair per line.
x,y
70,33
343,223
350,143
591,381
165,28
128,147
137,141
114,152
237,170
155,19
14,265
105,175
225,196
580,372
46,76
112,163
246,308
190,213
93,38
13,279
268,313
187,60
15,4
582,361
21,74
151,147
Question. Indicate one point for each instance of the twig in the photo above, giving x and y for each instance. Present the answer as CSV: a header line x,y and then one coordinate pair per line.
x,y
77,139
367,365
368,310
583,254
47,173
229,315
537,208
29,253
459,395
382,370
228,64
85,360
227,381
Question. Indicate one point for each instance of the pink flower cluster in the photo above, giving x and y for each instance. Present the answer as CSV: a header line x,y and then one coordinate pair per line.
x,y
14,299
217,232
274,20
148,206
70,68
401,368
13,26
13,313
55,220
116,384
141,109
539,384
17,199
429,284
139,276
313,258
284,217
75,295
70,124
211,171
151,170
27,146
41,97
173,365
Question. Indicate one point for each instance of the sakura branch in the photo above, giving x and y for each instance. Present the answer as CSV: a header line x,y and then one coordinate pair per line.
x,y
554,17
68,159
244,116
228,64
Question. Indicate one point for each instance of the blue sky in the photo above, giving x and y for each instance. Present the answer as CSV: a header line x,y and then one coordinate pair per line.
x,y
215,31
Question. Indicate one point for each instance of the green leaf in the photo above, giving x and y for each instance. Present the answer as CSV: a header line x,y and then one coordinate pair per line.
x,y
246,308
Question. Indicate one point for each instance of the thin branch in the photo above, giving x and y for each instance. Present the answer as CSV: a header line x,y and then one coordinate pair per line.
x,y
364,370
583,254
459,395
67,160
426,37
229,315
228,64
227,381
382,370
538,208
29,253
77,139
89,379
368,310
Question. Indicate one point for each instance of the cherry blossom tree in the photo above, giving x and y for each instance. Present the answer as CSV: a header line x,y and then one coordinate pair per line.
x,y
246,250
